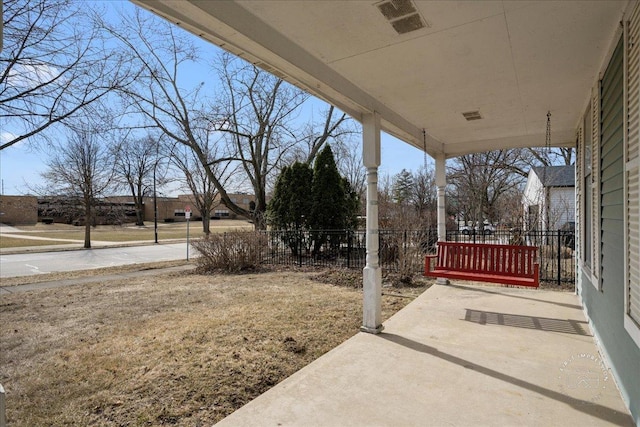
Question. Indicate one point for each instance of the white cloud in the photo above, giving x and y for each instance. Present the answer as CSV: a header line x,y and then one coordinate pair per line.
x,y
6,137
31,75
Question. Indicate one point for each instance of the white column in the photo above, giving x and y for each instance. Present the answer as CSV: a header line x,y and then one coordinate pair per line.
x,y
441,184
3,408
372,275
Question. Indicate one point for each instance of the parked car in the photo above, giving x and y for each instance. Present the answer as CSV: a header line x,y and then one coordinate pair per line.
x,y
467,230
487,229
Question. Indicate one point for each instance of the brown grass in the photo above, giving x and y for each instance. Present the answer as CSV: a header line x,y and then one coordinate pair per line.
x,y
125,233
182,349
12,242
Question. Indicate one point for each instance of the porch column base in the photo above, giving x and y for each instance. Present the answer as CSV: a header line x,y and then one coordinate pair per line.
x,y
442,281
373,331
372,300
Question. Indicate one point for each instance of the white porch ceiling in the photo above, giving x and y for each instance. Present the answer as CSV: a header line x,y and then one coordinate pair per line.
x,y
510,60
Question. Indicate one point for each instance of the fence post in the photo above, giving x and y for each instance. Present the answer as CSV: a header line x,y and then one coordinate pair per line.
x,y
404,251
559,256
349,246
299,248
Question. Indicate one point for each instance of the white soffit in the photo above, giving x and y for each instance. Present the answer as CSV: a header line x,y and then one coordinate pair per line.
x,y
509,61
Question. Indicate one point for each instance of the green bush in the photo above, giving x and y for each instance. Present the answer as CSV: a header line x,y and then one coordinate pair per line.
x,y
231,252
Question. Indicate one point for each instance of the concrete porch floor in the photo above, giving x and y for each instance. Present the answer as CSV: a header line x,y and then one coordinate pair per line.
x,y
459,355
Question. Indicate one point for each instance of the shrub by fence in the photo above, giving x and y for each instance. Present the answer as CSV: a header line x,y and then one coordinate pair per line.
x,y
231,252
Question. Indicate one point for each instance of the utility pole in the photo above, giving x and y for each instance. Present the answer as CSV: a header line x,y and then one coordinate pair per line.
x,y
155,197
155,205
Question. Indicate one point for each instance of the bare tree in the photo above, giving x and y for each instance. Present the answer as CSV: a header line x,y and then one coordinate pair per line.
x,y
348,153
82,168
554,156
481,179
424,196
336,127
198,181
135,162
54,65
181,115
256,113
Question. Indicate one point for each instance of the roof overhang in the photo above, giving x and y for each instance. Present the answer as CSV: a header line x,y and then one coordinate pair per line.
x,y
510,61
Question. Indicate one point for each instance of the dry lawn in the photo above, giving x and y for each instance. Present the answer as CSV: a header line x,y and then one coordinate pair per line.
x,y
110,233
181,349
13,242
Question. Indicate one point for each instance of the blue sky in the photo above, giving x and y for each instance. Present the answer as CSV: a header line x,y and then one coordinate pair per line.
x,y
22,164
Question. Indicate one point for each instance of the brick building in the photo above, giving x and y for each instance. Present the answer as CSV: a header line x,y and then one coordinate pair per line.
x,y
16,210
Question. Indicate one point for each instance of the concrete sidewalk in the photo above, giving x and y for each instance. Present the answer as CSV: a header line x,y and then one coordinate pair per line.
x,y
459,355
78,246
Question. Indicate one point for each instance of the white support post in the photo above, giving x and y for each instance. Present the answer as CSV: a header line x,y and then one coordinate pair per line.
x,y
3,408
441,184
372,275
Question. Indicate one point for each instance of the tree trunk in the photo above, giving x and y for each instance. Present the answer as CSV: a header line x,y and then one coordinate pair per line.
x,y
260,219
206,221
88,217
139,210
139,204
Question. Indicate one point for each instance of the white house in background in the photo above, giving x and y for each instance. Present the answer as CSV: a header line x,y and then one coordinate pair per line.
x,y
549,198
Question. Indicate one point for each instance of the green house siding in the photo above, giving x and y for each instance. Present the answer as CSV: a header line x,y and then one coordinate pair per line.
x,y
606,307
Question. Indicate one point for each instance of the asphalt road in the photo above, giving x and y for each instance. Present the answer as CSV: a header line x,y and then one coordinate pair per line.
x,y
26,264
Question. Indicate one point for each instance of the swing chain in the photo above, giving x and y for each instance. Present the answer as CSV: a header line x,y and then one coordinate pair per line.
x,y
548,138
424,142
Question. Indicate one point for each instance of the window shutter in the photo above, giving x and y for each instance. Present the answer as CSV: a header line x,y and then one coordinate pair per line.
x,y
579,229
595,183
632,172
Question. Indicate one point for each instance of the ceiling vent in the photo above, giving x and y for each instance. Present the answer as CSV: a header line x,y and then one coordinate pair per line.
x,y
472,115
402,14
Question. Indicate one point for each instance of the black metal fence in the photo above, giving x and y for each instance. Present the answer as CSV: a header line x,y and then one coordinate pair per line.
x,y
400,250
555,249
403,251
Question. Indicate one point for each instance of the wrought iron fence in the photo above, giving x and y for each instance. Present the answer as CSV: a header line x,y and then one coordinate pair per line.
x,y
400,250
403,250
555,249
